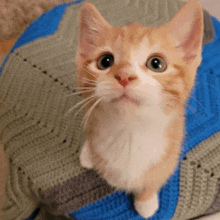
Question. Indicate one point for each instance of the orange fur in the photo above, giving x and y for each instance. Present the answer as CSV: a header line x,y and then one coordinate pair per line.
x,y
133,105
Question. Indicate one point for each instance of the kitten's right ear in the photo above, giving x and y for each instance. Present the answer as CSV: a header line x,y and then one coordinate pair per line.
x,y
92,25
187,27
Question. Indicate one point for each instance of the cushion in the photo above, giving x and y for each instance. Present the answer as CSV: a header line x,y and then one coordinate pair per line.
x,y
43,141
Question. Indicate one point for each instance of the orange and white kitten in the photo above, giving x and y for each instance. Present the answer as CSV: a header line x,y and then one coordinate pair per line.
x,y
135,81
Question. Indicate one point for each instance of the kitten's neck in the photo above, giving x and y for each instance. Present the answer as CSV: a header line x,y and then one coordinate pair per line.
x,y
145,115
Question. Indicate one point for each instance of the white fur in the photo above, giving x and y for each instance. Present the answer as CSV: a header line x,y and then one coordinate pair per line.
x,y
148,209
130,145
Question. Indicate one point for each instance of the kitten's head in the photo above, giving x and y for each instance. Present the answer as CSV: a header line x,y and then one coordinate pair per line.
x,y
134,66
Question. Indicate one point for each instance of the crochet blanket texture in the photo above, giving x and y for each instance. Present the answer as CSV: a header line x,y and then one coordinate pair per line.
x,y
43,144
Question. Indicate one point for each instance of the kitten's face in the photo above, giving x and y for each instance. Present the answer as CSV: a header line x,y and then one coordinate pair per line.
x,y
134,67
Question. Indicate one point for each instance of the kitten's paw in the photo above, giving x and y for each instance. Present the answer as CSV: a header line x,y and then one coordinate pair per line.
x,y
85,157
147,209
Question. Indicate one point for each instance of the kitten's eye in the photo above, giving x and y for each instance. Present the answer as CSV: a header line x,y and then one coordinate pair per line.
x,y
105,61
156,64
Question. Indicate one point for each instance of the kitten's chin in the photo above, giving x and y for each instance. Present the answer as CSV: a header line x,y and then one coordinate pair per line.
x,y
125,106
125,100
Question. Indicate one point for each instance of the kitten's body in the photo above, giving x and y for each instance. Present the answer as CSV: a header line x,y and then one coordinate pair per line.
x,y
135,125
125,147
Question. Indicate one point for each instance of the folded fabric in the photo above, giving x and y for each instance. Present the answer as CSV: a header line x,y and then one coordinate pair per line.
x,y
43,143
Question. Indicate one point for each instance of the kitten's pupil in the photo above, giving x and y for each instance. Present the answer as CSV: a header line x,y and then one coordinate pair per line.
x,y
105,61
156,63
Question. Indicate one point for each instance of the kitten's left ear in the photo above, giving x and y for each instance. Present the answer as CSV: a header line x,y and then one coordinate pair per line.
x,y
92,25
186,29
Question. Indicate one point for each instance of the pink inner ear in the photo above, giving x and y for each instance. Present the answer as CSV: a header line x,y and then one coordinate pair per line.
x,y
192,42
86,38
92,26
186,28
86,45
89,38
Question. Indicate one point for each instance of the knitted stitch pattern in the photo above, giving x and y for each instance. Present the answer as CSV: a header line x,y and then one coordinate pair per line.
x,y
43,143
17,14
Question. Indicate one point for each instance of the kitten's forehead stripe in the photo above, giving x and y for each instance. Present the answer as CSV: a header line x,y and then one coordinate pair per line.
x,y
119,40
132,34
127,41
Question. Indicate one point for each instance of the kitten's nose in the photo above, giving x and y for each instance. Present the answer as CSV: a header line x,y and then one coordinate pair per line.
x,y
124,79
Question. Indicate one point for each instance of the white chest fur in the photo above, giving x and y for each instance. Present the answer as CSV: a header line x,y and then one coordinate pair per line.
x,y
131,146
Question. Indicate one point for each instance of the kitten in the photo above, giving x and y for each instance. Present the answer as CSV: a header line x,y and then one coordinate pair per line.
x,y
135,81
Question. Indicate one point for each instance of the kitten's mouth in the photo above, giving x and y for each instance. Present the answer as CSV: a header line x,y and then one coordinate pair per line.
x,y
124,99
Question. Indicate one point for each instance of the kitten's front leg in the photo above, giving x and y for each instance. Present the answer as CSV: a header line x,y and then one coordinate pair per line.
x,y
85,156
146,206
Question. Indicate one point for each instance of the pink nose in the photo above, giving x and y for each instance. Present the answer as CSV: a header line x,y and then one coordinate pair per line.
x,y
124,80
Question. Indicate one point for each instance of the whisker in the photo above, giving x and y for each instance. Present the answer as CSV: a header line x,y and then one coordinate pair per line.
x,y
195,110
191,108
77,93
198,102
82,77
186,104
78,104
87,82
82,107
85,79
86,117
84,88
